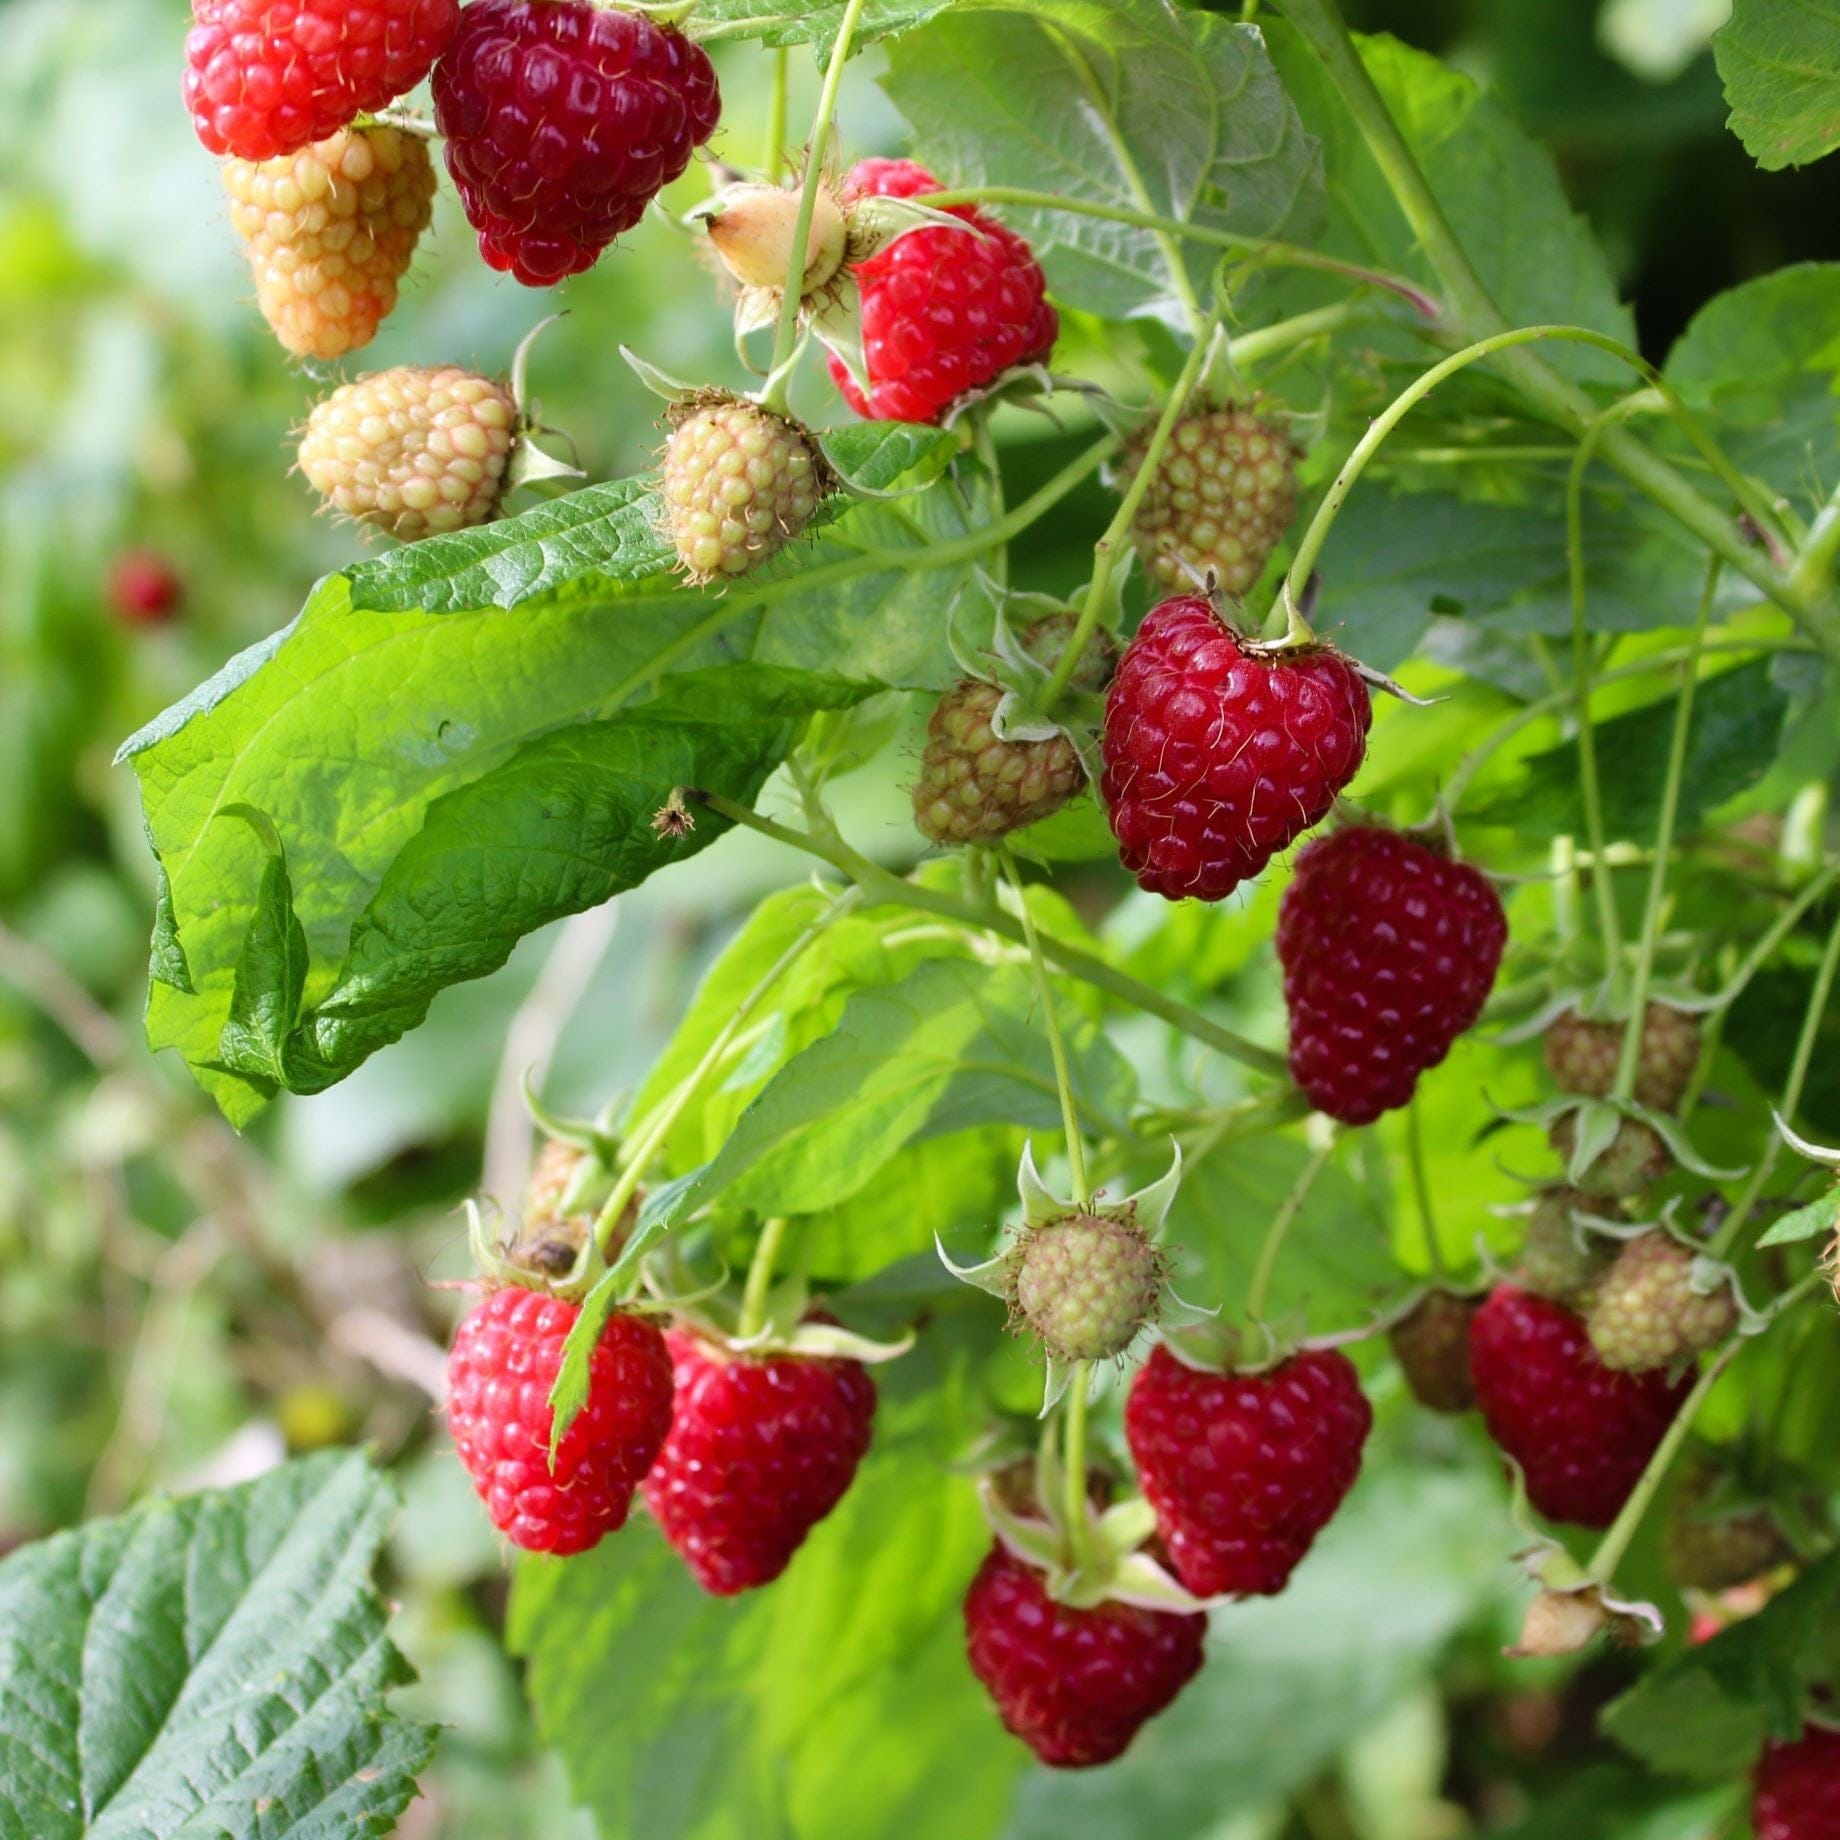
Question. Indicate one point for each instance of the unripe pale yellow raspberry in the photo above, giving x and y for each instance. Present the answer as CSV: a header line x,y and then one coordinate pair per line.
x,y
739,484
415,451
329,232
1221,498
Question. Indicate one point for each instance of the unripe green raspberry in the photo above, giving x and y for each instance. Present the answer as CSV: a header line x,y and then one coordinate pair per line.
x,y
414,451
1221,499
1557,1260
1635,1160
1045,639
1582,1056
739,484
973,785
1432,1348
1645,1312
1710,1550
1085,1285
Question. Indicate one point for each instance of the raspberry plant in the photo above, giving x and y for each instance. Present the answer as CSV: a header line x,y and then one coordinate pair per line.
x,y
1361,945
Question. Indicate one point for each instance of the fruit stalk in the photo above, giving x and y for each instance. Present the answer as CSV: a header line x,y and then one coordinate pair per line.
x,y
883,888
1118,531
1421,1189
1664,843
1288,1210
753,1316
1074,1479
786,331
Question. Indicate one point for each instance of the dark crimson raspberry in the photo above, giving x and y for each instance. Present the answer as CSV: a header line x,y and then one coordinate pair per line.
x,y
1075,1685
563,122
943,313
1218,755
1389,952
144,588
1798,1788
505,1358
1582,1056
1581,1433
1432,1348
266,77
1244,1470
761,1449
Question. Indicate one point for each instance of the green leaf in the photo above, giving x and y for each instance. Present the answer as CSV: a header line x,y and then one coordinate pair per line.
x,y
1762,360
1539,259
271,971
782,22
215,1666
1706,1713
1780,61
1737,726
877,456
836,1702
1810,1222
1131,104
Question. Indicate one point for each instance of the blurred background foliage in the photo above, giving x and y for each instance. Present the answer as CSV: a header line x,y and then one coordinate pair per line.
x,y
178,1306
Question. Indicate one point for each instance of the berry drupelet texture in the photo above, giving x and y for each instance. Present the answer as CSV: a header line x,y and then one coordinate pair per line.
x,y
1389,952
944,312
505,1358
762,1448
1075,1685
563,122
1217,755
739,484
1798,1788
1582,1056
974,786
1244,1470
329,232
1581,1433
267,77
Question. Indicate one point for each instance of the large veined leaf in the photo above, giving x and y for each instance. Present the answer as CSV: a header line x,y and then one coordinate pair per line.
x,y
215,1666
783,22
1780,60
345,730
1132,104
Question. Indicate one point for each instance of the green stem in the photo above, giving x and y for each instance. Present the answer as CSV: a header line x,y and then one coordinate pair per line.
x,y
1288,1210
1057,1049
1266,342
786,332
1421,1188
1074,1463
1664,843
1615,1543
1291,255
776,117
760,1278
649,1138
1814,567
985,447
1792,1097
1784,924
885,889
1473,312
1117,533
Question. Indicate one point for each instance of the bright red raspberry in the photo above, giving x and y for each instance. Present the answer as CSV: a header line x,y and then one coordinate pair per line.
x,y
1074,1685
563,122
1798,1788
266,77
1245,1470
144,588
1217,755
1389,951
1581,1433
943,313
505,1358
761,1449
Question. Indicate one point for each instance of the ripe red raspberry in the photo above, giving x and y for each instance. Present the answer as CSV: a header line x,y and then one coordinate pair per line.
x,y
1646,1313
1432,1348
265,77
1581,1056
1222,498
1218,755
943,313
1581,1433
563,122
761,1449
1075,1685
1798,1788
1389,951
144,588
1244,1470
505,1358
330,231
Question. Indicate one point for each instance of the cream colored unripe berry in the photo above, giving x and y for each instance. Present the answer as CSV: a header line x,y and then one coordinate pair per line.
x,y
753,233
739,484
